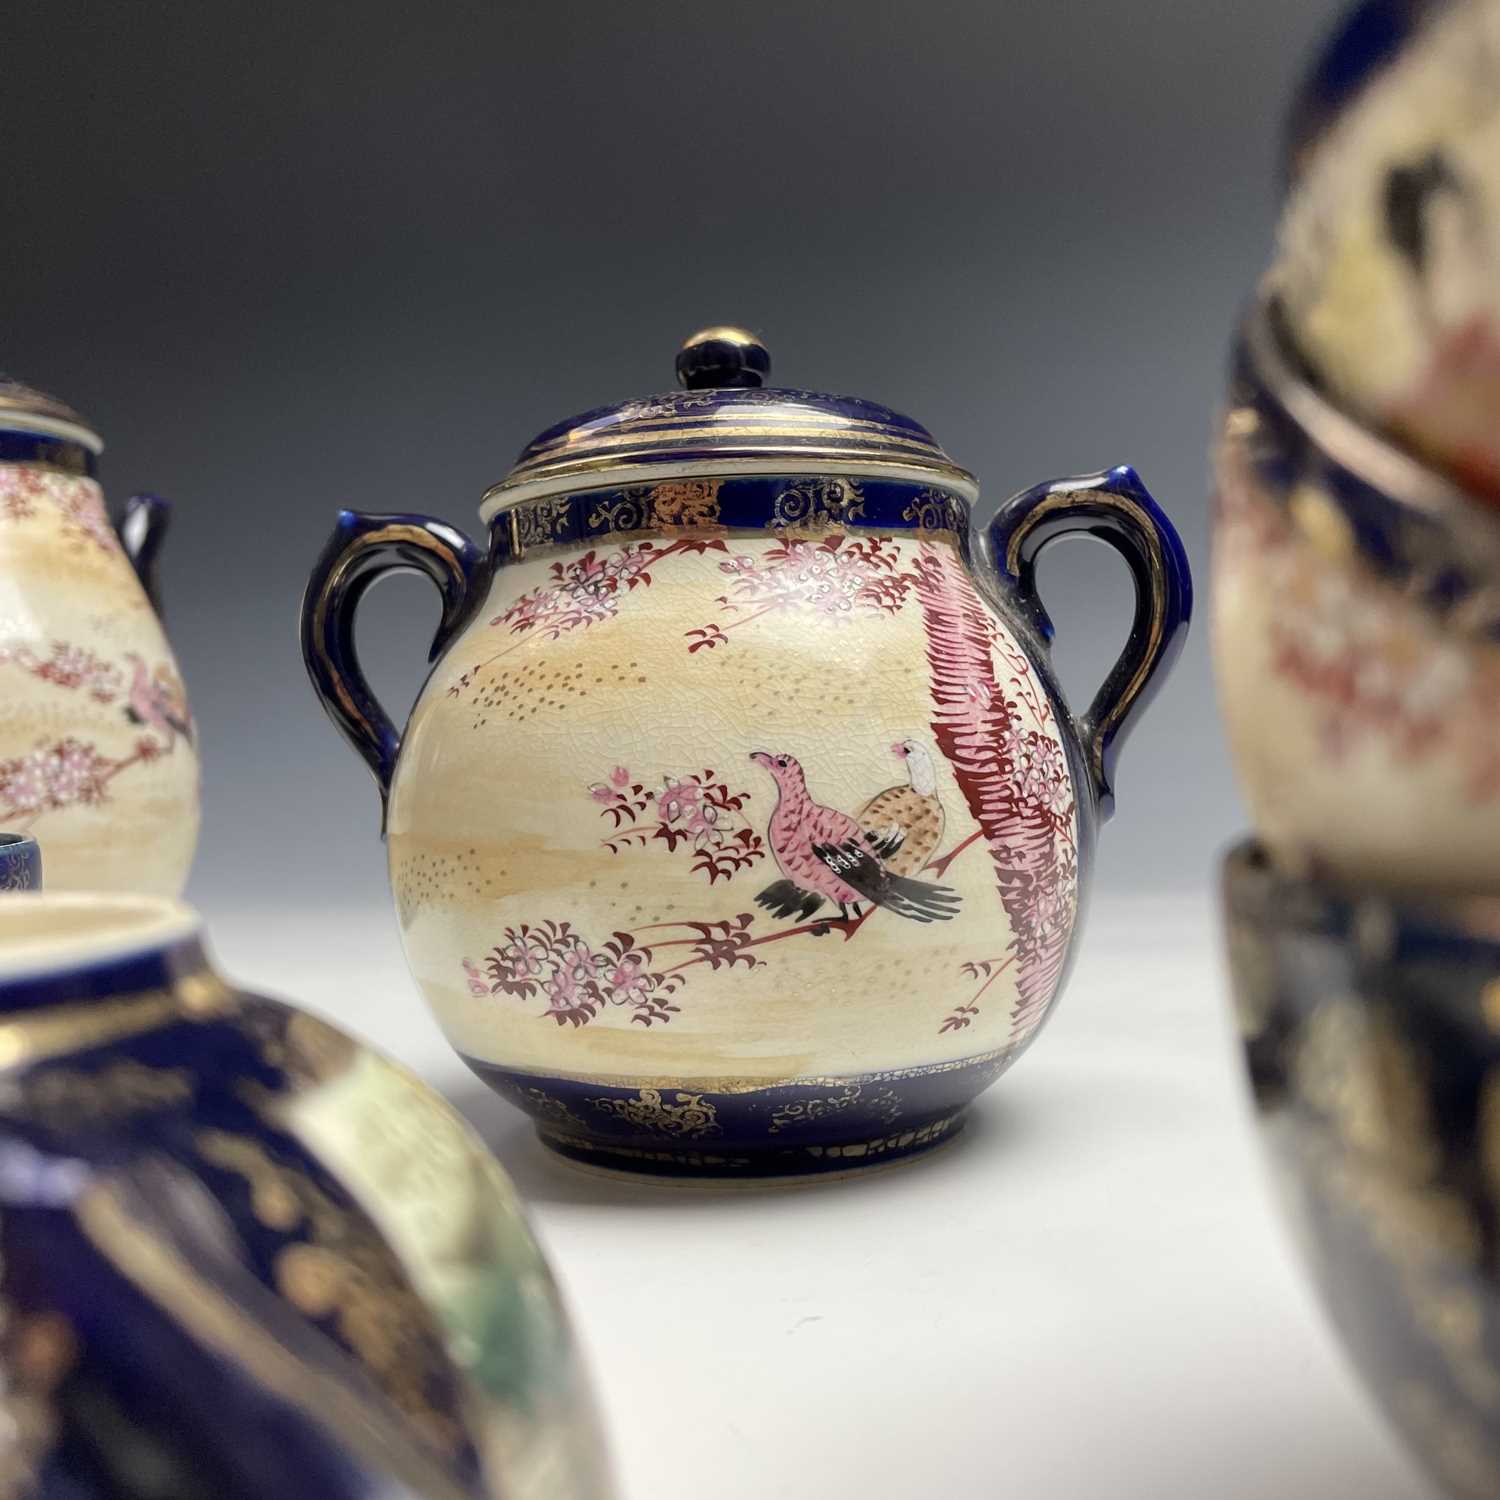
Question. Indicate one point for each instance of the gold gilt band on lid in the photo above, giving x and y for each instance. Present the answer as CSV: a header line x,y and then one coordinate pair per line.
x,y
23,407
724,421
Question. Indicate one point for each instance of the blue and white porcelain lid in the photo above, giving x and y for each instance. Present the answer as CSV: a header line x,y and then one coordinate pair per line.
x,y
726,420
23,408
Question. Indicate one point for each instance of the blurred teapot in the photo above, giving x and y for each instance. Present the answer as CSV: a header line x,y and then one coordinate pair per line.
x,y
97,748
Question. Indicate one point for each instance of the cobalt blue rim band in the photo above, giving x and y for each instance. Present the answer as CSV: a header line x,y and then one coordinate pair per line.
x,y
56,452
104,979
1427,543
741,502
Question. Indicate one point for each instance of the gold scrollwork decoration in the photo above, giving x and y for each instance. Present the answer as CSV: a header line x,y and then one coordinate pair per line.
x,y
680,502
933,510
540,523
547,1108
886,1104
629,510
828,501
690,1117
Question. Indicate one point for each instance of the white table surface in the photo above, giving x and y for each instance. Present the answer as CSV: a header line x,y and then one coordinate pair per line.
x,y
1087,1294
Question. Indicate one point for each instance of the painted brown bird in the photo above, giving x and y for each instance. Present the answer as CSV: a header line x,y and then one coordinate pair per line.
x,y
826,856
905,823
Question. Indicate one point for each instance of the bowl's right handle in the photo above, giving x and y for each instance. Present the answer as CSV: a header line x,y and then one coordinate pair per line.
x,y
142,530
1118,509
362,550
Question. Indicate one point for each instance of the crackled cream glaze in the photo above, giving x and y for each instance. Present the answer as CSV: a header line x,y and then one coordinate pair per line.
x,y
586,809
97,755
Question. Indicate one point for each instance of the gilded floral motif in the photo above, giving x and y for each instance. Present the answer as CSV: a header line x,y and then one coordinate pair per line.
x,y
829,500
688,1117
540,523
886,1104
935,510
548,1108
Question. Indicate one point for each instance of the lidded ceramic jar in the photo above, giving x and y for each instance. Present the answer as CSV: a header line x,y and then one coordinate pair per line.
x,y
97,752
740,827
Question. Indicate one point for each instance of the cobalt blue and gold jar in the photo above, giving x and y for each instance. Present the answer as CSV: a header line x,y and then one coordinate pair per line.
x,y
243,1255
741,829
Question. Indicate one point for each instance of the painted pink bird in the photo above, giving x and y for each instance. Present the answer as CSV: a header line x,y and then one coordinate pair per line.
x,y
153,703
825,855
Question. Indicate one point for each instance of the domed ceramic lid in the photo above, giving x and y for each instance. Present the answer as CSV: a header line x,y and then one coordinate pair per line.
x,y
726,420
1371,36
23,408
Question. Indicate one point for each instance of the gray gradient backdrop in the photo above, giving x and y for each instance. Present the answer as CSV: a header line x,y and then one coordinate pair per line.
x,y
292,257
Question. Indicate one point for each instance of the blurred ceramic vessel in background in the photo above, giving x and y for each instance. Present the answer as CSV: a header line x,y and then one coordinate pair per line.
x,y
1389,260
243,1255
20,863
97,753
1372,1037
1356,634
740,827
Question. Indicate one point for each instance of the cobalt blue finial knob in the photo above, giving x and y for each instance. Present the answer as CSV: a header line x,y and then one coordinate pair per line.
x,y
716,358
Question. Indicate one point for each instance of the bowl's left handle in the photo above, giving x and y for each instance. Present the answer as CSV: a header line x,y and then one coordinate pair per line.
x,y
142,529
362,550
1117,508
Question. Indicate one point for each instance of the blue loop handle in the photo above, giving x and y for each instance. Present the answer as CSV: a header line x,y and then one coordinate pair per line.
x,y
362,550
1118,509
142,529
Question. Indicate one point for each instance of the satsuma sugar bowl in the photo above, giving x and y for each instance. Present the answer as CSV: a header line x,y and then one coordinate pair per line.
x,y
1356,624
242,1255
740,827
97,752
1372,1040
